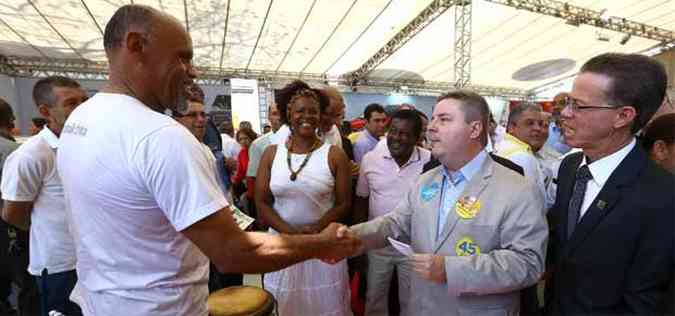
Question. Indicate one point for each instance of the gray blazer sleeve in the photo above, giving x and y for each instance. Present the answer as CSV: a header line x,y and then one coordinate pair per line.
x,y
519,261
396,225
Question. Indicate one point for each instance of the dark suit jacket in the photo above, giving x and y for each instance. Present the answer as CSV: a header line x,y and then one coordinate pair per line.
x,y
620,258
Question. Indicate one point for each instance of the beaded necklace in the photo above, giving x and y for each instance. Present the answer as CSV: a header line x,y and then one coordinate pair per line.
x,y
294,174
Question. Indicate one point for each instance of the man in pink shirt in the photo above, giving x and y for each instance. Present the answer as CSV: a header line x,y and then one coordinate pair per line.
x,y
385,176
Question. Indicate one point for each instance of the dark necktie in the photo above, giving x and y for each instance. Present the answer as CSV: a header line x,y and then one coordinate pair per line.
x,y
574,210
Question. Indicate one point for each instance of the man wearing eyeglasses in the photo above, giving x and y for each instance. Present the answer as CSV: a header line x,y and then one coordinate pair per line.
x,y
614,241
555,138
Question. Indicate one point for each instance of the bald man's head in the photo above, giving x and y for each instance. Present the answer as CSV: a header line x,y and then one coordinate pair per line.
x,y
133,17
150,57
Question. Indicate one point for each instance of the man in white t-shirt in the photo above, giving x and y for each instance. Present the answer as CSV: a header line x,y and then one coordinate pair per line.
x,y
147,211
33,196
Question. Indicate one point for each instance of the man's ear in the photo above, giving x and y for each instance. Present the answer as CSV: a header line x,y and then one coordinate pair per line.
x,y
625,116
43,109
476,129
135,42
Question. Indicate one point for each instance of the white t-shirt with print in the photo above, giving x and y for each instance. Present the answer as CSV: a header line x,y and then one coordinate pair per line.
x,y
134,179
29,175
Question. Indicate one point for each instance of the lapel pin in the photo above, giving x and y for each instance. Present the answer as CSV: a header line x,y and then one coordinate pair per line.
x,y
602,204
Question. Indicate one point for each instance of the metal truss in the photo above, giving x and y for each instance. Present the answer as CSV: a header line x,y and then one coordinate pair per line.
x,y
89,70
462,52
428,15
576,15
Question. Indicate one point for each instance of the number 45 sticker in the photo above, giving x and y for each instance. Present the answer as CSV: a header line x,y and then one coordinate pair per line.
x,y
466,247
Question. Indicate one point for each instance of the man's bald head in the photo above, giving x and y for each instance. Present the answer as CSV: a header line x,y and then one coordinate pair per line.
x,y
129,17
150,57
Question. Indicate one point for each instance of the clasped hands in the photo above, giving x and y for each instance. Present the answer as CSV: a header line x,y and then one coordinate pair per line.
x,y
340,243
427,266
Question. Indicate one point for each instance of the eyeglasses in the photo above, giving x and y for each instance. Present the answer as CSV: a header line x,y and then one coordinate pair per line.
x,y
575,107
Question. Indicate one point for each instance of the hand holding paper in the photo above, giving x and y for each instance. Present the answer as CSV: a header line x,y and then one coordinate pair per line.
x,y
403,248
428,266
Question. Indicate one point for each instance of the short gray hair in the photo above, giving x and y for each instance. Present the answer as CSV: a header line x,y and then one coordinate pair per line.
x,y
517,112
43,91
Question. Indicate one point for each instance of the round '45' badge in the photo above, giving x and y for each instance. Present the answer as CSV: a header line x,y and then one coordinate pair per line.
x,y
466,247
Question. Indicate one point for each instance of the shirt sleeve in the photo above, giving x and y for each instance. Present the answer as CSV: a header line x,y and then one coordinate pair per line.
x,y
177,173
531,170
396,224
362,185
21,177
359,150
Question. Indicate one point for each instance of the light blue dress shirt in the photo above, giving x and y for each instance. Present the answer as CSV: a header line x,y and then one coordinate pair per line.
x,y
555,139
454,183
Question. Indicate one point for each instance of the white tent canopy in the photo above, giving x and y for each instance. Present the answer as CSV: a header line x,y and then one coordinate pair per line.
x,y
331,38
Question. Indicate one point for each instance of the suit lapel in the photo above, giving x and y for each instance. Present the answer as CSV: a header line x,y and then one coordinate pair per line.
x,y
433,205
474,188
608,197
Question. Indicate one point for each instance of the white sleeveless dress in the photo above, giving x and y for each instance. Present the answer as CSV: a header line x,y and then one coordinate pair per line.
x,y
311,287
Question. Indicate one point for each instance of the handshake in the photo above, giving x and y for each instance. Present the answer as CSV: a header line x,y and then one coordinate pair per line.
x,y
338,242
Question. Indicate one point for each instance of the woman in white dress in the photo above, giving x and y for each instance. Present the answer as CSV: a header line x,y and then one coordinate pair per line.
x,y
301,187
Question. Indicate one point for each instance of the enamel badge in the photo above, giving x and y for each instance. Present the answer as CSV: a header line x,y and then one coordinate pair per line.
x,y
466,247
467,207
428,192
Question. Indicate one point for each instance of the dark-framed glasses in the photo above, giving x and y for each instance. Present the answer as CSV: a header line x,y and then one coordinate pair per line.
x,y
575,107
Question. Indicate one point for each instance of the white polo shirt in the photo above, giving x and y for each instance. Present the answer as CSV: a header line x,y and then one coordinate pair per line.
x,y
134,179
29,175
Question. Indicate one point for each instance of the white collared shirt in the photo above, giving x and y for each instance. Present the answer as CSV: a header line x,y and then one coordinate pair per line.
x,y
601,170
30,175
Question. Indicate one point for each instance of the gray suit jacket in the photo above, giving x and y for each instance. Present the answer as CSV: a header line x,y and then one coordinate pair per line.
x,y
510,230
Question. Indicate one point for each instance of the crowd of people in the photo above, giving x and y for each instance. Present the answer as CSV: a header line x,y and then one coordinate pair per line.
x,y
122,203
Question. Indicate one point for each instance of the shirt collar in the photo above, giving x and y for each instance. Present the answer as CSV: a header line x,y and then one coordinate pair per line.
x,y
370,136
517,141
602,169
386,154
49,137
468,171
